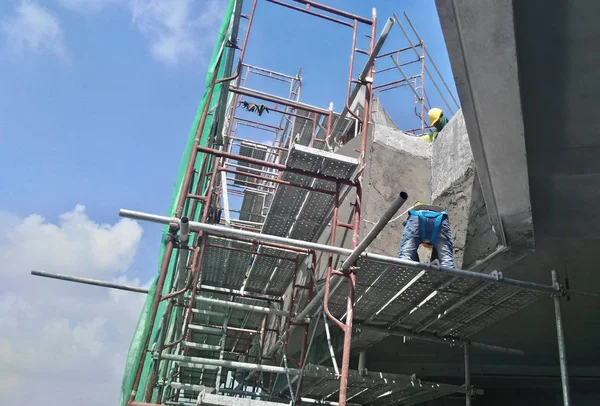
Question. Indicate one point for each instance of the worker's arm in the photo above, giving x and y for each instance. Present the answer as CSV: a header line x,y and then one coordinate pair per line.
x,y
428,137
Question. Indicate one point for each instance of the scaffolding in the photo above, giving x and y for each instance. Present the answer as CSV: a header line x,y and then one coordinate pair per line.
x,y
244,290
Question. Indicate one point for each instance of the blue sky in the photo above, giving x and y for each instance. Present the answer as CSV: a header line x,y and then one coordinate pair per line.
x,y
97,98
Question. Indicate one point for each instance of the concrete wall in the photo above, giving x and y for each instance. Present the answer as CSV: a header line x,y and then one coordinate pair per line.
x,y
395,162
455,186
481,45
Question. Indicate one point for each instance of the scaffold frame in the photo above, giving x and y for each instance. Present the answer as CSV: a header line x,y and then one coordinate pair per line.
x,y
238,299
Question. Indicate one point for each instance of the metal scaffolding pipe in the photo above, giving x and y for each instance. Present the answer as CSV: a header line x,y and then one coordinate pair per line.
x,y
184,230
432,61
242,306
467,351
201,346
362,361
235,292
371,60
208,313
355,254
374,232
230,364
451,341
277,99
363,74
88,281
324,402
230,232
206,329
405,77
413,46
562,352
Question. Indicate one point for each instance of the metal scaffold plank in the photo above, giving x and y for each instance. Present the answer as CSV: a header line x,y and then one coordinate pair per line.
x,y
209,399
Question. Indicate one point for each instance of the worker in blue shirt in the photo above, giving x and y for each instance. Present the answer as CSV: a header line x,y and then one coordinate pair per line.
x,y
427,225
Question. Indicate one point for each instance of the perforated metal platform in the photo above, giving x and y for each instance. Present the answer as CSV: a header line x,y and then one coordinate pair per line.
x,y
298,213
389,295
376,389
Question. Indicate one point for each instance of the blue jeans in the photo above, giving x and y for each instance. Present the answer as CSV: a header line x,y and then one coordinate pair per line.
x,y
411,239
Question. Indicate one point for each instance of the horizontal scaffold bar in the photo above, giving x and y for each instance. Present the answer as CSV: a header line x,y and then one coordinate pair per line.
x,y
276,99
242,306
225,231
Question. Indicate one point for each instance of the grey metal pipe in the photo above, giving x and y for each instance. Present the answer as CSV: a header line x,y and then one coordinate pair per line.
x,y
184,236
426,68
363,74
201,346
408,82
205,329
374,232
362,361
378,45
331,351
249,295
467,350
356,253
324,402
562,352
451,341
223,231
208,313
184,230
230,364
432,61
582,294
88,281
242,306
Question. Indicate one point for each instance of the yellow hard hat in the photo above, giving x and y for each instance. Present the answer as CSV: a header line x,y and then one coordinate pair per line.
x,y
434,115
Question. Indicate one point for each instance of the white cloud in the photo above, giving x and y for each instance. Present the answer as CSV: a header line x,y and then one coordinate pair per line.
x,y
61,338
33,29
178,29
88,6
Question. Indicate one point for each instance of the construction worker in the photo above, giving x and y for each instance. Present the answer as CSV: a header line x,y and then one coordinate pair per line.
x,y
438,120
429,226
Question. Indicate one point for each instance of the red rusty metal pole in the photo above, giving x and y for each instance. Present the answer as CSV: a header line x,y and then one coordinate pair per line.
x,y
356,232
158,292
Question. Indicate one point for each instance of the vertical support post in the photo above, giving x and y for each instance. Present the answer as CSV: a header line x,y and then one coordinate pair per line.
x,y
362,362
356,232
467,350
562,354
225,198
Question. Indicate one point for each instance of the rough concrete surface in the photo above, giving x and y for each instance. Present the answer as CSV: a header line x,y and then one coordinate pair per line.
x,y
455,186
451,155
395,162
482,50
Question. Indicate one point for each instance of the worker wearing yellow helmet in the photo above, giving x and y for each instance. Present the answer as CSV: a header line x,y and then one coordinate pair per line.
x,y
438,120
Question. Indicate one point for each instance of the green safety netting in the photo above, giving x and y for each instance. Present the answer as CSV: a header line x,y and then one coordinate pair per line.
x,y
136,350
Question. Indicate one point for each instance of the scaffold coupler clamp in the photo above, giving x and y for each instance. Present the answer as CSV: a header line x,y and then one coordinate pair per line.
x,y
173,228
352,269
498,275
414,380
561,290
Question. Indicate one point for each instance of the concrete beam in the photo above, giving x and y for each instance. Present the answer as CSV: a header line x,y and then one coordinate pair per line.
x,y
482,50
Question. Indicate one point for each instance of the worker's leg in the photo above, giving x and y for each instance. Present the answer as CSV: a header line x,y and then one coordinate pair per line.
x,y
443,245
410,240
